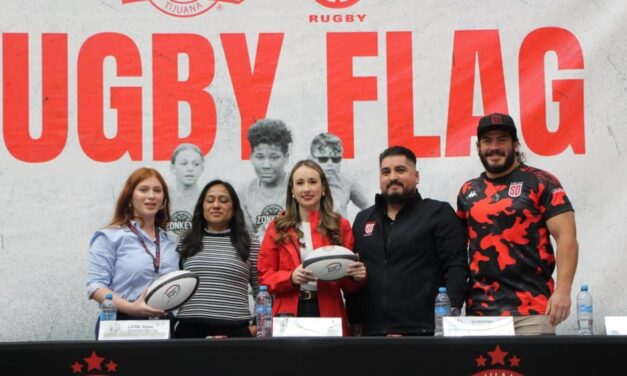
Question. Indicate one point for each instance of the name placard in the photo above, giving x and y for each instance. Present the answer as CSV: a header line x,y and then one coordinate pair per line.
x,y
134,329
307,327
478,326
616,325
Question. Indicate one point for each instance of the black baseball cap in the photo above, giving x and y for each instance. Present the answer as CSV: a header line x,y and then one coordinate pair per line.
x,y
497,122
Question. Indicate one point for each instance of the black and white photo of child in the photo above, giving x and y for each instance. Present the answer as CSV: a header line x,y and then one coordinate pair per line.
x,y
264,197
326,149
187,164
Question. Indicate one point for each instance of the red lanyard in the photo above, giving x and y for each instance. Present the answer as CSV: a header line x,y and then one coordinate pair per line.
x,y
156,261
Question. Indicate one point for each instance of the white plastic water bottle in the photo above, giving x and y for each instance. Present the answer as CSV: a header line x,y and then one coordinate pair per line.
x,y
108,309
263,309
442,308
584,311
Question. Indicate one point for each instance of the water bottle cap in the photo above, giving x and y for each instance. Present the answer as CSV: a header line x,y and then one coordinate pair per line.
x,y
109,296
442,289
263,288
584,287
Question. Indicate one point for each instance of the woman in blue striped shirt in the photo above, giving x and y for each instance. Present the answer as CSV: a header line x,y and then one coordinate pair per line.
x,y
219,249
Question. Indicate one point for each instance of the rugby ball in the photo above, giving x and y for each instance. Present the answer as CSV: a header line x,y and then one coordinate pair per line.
x,y
329,263
171,290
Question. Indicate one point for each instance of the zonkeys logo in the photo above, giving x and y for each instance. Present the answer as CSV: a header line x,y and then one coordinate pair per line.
x,y
184,8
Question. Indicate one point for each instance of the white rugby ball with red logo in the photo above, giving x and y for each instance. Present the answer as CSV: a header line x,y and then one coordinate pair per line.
x,y
329,263
171,290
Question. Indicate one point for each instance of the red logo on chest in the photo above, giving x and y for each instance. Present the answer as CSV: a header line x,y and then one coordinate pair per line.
x,y
515,189
369,228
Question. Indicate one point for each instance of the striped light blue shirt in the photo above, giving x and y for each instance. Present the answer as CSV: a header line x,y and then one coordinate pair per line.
x,y
118,261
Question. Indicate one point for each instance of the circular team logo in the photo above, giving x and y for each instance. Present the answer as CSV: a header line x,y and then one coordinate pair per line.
x,y
180,222
337,4
268,213
184,8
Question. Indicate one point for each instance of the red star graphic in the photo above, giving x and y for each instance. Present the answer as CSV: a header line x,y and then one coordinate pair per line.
x,y
498,356
480,361
94,361
514,361
77,367
111,366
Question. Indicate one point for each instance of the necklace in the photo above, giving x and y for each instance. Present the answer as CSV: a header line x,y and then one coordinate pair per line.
x,y
497,196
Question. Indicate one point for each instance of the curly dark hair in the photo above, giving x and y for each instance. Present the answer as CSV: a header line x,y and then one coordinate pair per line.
x,y
271,132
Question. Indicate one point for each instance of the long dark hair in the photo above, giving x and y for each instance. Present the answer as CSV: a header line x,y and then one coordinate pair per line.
x,y
329,224
124,212
240,238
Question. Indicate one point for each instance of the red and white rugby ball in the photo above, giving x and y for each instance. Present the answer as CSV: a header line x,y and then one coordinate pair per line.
x,y
171,290
329,263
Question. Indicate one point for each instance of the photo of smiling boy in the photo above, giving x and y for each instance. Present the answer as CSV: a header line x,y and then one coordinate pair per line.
x,y
264,197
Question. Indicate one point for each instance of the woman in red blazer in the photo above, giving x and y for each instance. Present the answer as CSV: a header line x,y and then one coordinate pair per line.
x,y
308,223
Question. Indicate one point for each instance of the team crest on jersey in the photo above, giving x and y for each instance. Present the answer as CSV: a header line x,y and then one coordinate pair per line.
x,y
369,228
515,189
184,8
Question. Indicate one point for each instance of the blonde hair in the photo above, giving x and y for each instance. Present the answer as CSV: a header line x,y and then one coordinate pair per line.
x,y
329,224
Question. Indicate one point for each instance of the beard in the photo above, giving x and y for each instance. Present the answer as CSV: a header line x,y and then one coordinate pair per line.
x,y
398,197
510,159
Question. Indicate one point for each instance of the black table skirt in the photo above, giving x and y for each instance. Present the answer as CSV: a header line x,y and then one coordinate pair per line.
x,y
489,356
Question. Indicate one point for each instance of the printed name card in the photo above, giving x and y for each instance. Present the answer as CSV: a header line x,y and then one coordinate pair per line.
x,y
306,327
465,326
616,325
134,329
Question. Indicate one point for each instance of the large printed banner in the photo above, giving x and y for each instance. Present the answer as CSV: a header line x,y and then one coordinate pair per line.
x,y
93,89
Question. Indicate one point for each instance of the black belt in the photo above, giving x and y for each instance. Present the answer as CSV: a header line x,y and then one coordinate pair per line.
x,y
308,295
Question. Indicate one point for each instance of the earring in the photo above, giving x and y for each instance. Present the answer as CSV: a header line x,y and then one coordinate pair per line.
x,y
130,205
322,193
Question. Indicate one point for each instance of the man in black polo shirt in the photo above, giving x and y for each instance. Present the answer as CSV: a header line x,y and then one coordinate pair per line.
x,y
511,211
410,246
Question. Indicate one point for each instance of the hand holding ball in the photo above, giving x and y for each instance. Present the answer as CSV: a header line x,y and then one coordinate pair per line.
x,y
171,290
329,263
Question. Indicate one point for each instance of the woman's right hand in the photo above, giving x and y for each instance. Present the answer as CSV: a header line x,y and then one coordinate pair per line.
x,y
301,275
139,308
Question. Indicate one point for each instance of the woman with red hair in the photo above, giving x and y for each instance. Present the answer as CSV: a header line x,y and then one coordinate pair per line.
x,y
134,249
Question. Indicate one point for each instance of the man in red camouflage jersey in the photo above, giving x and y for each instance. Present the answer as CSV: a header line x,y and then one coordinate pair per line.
x,y
511,211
